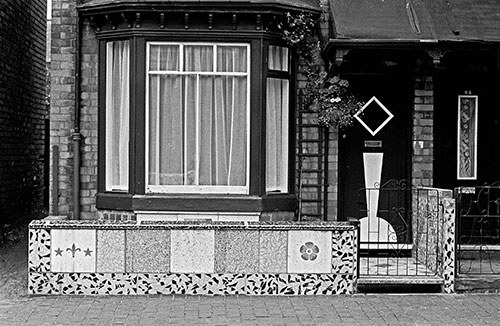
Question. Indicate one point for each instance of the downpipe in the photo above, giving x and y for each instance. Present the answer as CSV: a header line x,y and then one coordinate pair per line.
x,y
76,135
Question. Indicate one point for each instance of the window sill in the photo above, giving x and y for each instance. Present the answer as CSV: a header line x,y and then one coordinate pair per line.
x,y
197,202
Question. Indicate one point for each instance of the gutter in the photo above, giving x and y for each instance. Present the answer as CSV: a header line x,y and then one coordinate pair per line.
x,y
408,43
76,135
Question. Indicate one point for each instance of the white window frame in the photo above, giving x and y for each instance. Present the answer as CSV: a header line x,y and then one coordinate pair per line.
x,y
198,188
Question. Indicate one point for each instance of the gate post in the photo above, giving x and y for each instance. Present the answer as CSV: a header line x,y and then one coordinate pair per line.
x,y
448,245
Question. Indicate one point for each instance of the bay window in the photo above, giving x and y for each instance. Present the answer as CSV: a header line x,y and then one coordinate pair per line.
x,y
179,120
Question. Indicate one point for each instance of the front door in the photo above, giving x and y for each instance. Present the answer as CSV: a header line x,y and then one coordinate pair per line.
x,y
373,159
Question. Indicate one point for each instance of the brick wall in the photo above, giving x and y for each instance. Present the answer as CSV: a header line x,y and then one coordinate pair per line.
x,y
62,103
23,108
88,121
422,140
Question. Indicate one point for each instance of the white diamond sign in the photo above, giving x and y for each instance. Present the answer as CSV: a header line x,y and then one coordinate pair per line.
x,y
367,111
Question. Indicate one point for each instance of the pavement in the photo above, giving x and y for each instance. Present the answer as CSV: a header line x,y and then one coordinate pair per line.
x,y
17,308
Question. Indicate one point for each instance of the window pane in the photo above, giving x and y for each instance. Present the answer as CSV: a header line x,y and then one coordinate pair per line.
x,y
164,57
165,130
231,59
198,58
278,58
197,122
117,115
277,135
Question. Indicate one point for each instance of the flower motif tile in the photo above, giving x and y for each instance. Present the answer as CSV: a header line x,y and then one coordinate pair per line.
x,y
147,251
272,251
110,251
309,252
192,251
39,250
236,251
73,250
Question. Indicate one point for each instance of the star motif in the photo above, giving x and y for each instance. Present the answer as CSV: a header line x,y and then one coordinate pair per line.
x,y
58,252
87,252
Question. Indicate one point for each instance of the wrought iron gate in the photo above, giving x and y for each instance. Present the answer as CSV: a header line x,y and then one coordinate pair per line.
x,y
400,230
478,229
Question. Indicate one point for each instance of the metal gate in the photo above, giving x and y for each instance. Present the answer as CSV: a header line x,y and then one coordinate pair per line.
x,y
478,229
400,230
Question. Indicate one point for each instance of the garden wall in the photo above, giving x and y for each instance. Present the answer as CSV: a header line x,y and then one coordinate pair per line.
x,y
197,258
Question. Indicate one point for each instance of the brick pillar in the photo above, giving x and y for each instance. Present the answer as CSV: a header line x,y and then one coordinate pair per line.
x,y
62,104
422,139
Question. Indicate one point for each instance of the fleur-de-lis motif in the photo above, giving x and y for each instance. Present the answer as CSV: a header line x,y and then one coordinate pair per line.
x,y
73,250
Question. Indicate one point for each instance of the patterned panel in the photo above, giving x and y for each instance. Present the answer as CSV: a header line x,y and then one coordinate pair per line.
x,y
329,284
155,283
192,251
449,246
39,250
314,284
355,261
147,251
73,250
273,251
189,284
110,251
342,252
43,283
224,284
261,284
309,251
116,283
236,251
79,283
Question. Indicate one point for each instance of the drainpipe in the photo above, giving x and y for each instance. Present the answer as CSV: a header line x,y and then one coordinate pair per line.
x,y
76,136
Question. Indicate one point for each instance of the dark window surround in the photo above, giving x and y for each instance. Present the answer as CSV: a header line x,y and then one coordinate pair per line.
x,y
257,200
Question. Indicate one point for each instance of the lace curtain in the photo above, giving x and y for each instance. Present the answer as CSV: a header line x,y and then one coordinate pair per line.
x,y
117,115
197,115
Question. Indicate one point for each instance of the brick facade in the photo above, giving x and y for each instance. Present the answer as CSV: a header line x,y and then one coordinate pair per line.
x,y
63,106
23,109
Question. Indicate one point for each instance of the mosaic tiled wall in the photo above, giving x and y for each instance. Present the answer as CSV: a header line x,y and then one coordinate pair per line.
x,y
92,257
433,227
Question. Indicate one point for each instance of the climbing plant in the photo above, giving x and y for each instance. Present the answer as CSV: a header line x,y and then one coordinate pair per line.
x,y
328,95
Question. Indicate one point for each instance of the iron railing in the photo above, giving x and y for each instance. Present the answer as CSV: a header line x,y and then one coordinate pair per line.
x,y
400,230
478,229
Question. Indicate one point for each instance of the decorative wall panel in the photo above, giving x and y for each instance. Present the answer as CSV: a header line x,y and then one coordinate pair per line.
x,y
147,251
194,251
309,252
73,250
39,250
110,251
236,251
467,137
273,251
343,252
